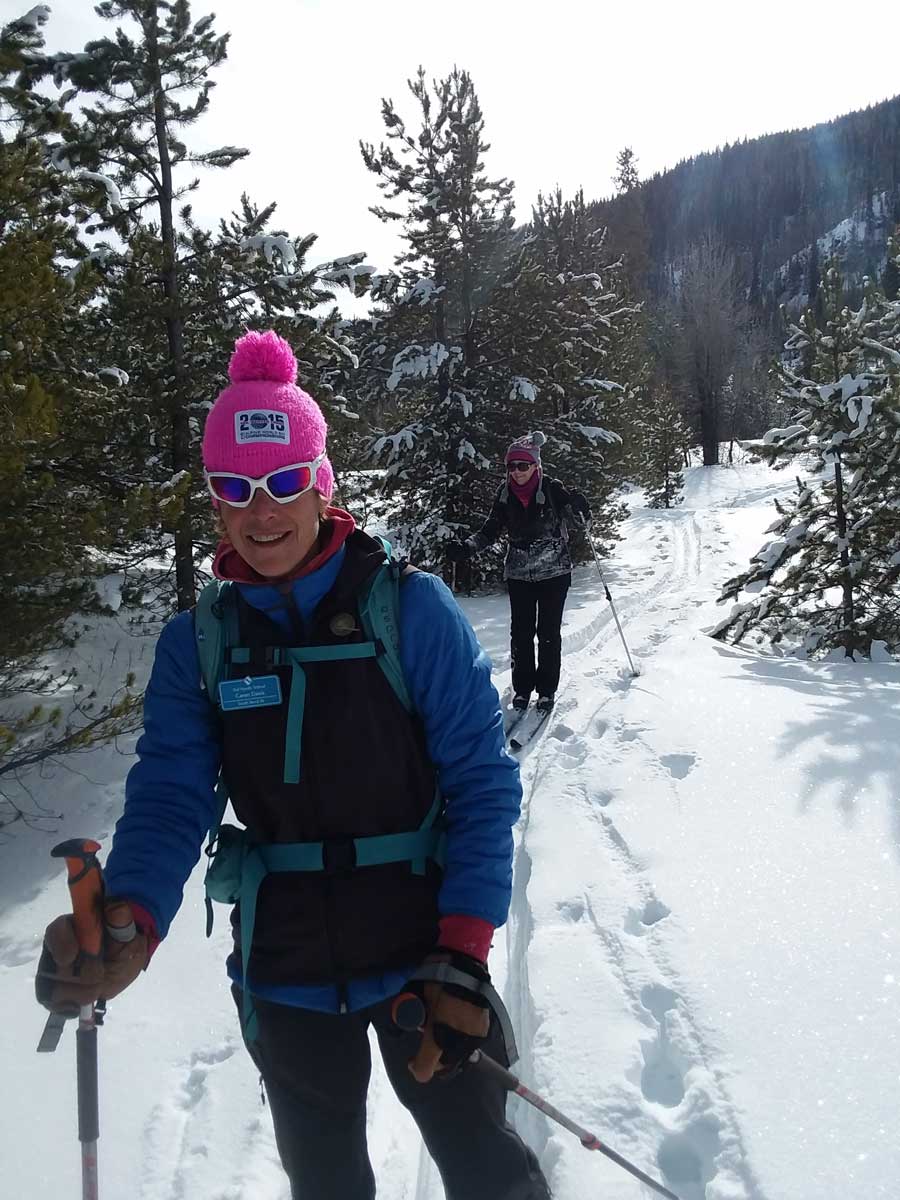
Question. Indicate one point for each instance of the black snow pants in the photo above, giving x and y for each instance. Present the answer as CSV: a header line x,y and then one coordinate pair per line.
x,y
536,606
316,1067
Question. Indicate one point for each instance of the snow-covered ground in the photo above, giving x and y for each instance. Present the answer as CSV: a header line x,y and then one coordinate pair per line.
x,y
702,953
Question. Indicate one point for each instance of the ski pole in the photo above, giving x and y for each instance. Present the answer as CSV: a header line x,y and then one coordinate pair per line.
x,y
86,890
589,1140
634,671
408,1012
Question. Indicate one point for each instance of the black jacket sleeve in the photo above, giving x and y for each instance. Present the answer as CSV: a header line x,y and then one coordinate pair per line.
x,y
493,526
571,502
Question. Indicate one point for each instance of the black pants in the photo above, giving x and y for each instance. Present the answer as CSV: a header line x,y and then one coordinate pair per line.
x,y
536,606
316,1071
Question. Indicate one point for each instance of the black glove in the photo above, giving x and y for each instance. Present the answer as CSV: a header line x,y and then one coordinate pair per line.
x,y
581,509
457,1019
458,551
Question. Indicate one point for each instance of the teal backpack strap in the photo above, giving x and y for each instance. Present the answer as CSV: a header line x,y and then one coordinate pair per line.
x,y
215,629
379,612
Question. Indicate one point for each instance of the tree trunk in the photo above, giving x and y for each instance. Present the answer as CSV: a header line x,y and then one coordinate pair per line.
x,y
178,409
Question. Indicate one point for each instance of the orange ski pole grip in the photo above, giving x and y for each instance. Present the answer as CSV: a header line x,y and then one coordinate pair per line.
x,y
86,889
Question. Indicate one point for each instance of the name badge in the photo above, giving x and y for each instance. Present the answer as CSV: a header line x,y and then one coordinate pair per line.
x,y
254,691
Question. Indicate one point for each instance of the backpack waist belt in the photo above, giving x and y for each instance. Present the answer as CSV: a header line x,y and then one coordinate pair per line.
x,y
240,866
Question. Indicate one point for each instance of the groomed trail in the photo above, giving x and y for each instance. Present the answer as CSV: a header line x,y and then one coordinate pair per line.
x,y
586,947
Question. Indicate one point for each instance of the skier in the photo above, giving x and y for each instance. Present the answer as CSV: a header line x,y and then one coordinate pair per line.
x,y
323,760
535,512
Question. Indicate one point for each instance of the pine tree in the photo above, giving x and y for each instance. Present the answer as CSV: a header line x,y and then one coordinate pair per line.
x,y
662,436
629,231
828,580
176,296
569,334
432,342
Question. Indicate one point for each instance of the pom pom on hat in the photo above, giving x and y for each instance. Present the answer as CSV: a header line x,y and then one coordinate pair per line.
x,y
262,421
262,356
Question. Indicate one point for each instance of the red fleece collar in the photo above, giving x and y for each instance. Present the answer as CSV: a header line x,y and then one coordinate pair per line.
x,y
334,530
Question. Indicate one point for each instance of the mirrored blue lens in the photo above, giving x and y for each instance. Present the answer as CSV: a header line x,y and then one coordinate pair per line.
x,y
230,489
291,482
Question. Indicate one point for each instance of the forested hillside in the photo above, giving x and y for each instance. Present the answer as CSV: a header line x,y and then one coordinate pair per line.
x,y
771,199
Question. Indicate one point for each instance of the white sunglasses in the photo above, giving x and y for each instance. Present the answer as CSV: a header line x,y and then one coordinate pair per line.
x,y
282,486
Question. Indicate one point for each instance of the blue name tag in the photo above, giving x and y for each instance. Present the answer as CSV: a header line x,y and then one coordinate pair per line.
x,y
258,691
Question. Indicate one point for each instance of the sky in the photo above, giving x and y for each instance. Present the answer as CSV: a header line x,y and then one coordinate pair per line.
x,y
563,87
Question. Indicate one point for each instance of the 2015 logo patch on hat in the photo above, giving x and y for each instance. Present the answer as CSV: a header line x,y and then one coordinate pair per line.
x,y
261,425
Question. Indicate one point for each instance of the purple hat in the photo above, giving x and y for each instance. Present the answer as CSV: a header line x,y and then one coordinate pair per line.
x,y
262,421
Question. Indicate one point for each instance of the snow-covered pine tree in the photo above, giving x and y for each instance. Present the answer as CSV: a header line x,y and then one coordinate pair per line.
x,y
432,342
177,296
661,437
569,333
828,580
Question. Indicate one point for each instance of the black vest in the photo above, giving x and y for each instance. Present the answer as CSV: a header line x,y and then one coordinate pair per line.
x,y
364,771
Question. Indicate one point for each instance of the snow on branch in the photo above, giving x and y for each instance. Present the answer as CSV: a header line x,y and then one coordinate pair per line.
x,y
414,362
270,245
113,195
347,270
121,377
39,15
397,441
595,434
523,388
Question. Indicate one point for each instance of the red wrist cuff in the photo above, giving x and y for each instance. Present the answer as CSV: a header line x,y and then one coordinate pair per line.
x,y
468,935
147,926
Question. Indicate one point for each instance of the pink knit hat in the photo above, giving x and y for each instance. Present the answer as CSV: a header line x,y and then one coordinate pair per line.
x,y
263,421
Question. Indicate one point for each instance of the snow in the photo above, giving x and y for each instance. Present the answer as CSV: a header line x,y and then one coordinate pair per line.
x,y
270,245
35,17
524,388
702,959
113,195
121,377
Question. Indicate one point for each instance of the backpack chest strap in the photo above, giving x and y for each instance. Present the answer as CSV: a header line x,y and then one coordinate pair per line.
x,y
294,657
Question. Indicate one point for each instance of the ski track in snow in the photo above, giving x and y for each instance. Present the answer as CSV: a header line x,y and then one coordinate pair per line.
x,y
676,1099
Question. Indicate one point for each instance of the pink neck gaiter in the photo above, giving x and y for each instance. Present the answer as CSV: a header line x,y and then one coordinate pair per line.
x,y
523,492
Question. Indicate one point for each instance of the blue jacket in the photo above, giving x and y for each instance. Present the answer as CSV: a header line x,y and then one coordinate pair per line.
x,y
169,796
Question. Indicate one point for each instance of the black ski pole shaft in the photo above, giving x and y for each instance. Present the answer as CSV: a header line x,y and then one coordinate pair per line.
x,y
85,881
634,670
589,1140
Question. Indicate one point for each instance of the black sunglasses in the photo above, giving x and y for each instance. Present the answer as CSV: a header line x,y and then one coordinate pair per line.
x,y
520,466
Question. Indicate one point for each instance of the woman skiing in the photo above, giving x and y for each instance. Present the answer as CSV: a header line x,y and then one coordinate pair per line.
x,y
376,806
535,512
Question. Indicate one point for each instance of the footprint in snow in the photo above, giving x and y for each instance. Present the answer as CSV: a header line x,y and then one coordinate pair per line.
x,y
630,733
194,1087
678,765
688,1160
571,910
638,922
662,1079
18,953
